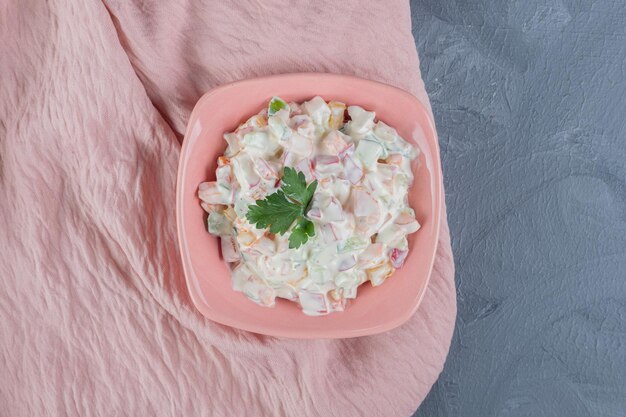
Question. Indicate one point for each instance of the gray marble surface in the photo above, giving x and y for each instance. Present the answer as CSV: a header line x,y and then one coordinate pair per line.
x,y
530,103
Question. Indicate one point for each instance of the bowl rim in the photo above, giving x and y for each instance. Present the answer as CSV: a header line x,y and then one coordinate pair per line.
x,y
325,333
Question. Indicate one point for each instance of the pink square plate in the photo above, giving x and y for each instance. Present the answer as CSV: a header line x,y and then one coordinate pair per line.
x,y
374,310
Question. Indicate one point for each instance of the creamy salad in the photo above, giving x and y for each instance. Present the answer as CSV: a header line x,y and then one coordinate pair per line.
x,y
310,204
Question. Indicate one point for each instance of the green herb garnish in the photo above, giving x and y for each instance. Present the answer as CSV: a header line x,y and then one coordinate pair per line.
x,y
300,234
290,204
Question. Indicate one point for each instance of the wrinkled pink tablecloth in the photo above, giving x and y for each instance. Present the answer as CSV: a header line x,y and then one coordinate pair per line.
x,y
95,319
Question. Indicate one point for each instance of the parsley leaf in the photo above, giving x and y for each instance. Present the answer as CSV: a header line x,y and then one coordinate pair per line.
x,y
300,234
294,186
279,210
275,211
310,190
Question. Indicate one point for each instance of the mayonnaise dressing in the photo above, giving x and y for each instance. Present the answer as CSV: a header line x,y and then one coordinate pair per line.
x,y
360,208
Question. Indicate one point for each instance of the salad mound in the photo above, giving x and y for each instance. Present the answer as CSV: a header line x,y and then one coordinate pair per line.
x,y
309,204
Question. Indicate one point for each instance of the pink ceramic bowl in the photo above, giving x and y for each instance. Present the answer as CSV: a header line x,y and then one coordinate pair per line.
x,y
375,310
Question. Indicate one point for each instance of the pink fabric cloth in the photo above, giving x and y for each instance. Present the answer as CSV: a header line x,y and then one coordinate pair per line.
x,y
95,319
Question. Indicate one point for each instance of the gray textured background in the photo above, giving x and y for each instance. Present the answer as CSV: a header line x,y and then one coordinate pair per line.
x,y
530,103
